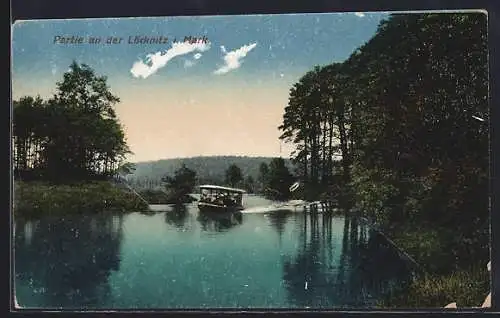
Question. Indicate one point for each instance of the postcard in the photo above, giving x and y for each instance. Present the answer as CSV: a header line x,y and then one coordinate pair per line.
x,y
333,161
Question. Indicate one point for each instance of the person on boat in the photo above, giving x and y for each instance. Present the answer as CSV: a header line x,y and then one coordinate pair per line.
x,y
227,200
234,199
204,196
219,199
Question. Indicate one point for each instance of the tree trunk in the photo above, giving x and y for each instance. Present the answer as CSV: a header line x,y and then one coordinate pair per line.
x,y
324,165
343,146
330,148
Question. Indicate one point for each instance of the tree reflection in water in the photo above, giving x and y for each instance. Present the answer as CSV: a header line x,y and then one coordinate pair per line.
x,y
278,221
320,276
67,261
219,221
177,217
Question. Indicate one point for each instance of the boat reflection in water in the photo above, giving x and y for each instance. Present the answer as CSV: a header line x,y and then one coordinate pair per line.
x,y
219,207
180,258
177,216
211,221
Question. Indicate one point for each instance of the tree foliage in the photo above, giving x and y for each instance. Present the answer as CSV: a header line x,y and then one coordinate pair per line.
x,y
209,169
234,176
263,175
74,135
278,180
181,184
393,127
316,121
249,184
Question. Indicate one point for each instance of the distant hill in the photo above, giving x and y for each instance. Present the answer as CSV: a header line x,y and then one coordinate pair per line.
x,y
209,169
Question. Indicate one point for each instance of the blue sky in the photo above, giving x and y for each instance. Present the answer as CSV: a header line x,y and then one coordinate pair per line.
x,y
252,92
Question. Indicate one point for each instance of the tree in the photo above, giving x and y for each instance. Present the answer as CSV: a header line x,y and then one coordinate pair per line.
x,y
250,184
181,184
279,180
316,120
98,142
400,113
28,136
126,169
234,175
81,88
263,174
72,136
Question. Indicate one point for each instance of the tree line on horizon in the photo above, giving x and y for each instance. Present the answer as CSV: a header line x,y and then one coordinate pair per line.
x,y
400,129
273,181
208,168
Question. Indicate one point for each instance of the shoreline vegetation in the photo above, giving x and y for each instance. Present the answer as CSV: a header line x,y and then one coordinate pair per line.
x,y
399,131
438,283
40,199
390,133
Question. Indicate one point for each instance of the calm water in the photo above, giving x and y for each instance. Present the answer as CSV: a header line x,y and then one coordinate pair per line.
x,y
180,259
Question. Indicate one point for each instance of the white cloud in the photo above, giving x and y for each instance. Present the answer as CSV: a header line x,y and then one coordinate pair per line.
x,y
190,63
159,59
233,59
359,14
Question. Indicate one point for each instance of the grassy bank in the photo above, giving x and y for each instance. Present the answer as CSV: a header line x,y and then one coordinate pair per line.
x,y
32,199
468,288
445,278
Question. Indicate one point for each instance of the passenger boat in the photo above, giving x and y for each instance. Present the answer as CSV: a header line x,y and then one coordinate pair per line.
x,y
215,198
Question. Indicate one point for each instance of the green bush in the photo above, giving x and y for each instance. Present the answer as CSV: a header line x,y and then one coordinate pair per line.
x,y
468,288
373,193
445,277
426,246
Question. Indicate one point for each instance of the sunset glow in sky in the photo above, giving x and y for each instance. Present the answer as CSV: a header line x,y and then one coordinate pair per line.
x,y
224,94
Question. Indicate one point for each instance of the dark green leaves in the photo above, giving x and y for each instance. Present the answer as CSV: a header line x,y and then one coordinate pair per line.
x,y
393,126
73,136
234,176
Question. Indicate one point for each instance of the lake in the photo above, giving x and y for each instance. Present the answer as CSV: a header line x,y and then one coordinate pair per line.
x,y
183,259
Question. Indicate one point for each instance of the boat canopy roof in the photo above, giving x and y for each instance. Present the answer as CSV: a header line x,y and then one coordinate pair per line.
x,y
216,187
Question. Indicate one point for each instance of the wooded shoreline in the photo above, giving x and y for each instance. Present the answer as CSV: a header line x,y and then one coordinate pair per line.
x,y
399,130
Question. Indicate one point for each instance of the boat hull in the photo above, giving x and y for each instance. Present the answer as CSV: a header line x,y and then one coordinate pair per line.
x,y
207,207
